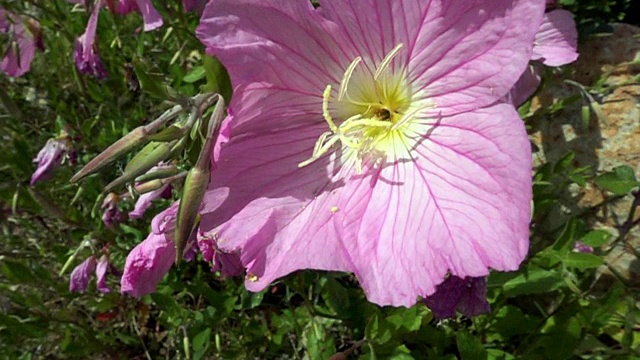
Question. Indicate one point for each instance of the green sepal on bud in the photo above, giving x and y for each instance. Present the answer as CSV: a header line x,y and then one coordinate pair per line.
x,y
159,173
196,184
119,148
147,158
137,137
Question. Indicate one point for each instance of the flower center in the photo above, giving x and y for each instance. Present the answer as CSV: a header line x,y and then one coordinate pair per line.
x,y
375,111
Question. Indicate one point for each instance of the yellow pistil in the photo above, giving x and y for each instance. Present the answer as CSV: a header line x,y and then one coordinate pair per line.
x,y
374,115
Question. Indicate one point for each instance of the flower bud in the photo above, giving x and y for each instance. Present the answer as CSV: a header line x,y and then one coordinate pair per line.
x,y
81,275
146,159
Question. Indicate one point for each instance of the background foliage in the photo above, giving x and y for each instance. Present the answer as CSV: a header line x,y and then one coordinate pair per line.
x,y
558,306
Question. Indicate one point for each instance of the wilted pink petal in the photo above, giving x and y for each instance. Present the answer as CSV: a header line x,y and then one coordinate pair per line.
x,y
86,48
101,273
147,264
111,213
81,275
23,40
228,264
150,16
526,85
468,296
556,42
49,158
417,173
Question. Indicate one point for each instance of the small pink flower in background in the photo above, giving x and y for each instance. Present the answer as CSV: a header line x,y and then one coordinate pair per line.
x,y
102,269
467,296
556,44
81,275
150,261
24,38
367,137
150,16
582,248
228,264
86,49
111,213
51,156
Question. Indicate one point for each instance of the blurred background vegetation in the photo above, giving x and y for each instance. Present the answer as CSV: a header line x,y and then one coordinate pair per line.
x,y
558,306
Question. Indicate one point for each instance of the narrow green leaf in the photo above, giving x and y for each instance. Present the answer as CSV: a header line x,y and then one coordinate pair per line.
x,y
582,261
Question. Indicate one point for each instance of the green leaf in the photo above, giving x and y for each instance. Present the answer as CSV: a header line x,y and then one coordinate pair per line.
x,y
582,261
167,304
201,340
217,78
533,281
470,347
620,181
153,85
596,238
195,74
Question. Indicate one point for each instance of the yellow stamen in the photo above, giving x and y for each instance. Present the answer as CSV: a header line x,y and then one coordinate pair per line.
x,y
387,61
326,95
347,77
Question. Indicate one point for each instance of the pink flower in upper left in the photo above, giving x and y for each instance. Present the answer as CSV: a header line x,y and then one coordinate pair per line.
x,y
24,38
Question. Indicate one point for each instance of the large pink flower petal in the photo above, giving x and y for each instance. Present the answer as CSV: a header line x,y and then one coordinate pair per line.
x,y
295,44
556,42
258,197
464,54
462,206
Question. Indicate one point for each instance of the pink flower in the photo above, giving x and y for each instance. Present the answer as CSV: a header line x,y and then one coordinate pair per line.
x,y
150,261
468,296
228,264
50,157
111,213
556,44
81,275
150,16
24,37
86,49
102,269
367,137
582,248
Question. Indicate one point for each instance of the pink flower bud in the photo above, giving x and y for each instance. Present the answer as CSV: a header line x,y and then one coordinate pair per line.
x,y
81,275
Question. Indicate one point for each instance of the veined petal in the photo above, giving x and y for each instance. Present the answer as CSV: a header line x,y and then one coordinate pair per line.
x,y
464,54
461,206
556,42
260,202
296,47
